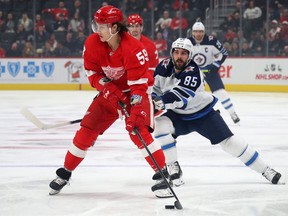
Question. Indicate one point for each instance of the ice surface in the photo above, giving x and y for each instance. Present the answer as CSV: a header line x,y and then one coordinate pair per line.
x,y
114,179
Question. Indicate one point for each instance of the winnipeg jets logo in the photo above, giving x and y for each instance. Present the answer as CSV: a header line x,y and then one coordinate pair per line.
x,y
113,73
200,59
165,62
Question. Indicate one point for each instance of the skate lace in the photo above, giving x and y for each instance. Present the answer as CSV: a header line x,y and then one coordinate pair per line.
x,y
60,181
269,173
173,168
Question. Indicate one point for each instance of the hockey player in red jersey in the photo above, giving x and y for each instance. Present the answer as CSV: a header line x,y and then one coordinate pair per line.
x,y
117,66
135,27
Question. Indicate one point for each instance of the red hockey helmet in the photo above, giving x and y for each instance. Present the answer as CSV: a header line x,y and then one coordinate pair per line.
x,y
135,18
108,14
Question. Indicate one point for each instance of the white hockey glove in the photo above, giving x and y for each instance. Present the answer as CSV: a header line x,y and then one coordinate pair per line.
x,y
158,103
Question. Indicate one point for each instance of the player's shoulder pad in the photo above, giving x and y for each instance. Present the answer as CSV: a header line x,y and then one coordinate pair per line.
x,y
129,43
209,40
164,67
192,67
192,40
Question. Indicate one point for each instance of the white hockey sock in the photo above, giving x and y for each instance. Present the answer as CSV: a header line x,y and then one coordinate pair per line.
x,y
168,145
225,100
252,159
237,147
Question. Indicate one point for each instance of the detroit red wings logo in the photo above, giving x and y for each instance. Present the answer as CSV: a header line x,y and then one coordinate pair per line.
x,y
113,73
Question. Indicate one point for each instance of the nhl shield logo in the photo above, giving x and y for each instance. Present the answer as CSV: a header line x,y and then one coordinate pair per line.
x,y
48,68
13,68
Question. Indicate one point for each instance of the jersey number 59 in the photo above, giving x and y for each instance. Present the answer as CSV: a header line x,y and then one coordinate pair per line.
x,y
142,56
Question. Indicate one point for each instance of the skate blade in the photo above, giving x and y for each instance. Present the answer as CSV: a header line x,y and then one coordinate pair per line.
x,y
178,182
163,193
53,192
283,180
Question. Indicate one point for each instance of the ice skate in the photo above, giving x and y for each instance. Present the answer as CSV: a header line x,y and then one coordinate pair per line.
x,y
235,118
157,175
60,181
175,174
161,189
273,176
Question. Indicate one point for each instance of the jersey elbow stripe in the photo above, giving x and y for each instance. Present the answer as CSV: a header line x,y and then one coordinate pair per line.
x,y
74,150
89,73
137,82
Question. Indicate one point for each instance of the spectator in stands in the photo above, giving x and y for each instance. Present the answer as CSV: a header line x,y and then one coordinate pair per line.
x,y
48,50
61,24
135,6
14,51
76,24
22,35
61,10
275,29
191,15
10,23
246,51
41,36
163,24
39,22
61,51
176,27
28,50
252,18
234,49
161,45
53,42
176,5
2,21
79,43
228,47
257,44
26,22
284,15
70,42
6,5
230,35
2,52
240,38
80,8
284,33
285,51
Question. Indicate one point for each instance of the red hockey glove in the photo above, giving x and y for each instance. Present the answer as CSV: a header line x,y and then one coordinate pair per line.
x,y
113,94
137,114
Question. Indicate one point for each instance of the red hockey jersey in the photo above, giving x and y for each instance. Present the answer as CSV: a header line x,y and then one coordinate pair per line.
x,y
152,52
127,66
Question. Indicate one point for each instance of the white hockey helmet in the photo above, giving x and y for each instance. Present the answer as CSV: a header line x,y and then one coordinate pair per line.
x,y
198,26
183,43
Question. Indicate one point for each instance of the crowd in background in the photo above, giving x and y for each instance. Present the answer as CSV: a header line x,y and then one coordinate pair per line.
x,y
53,28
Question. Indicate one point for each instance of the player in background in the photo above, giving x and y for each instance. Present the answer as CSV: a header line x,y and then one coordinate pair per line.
x,y
179,89
209,54
135,27
117,66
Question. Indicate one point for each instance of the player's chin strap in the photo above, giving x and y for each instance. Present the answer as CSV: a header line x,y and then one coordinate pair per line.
x,y
111,34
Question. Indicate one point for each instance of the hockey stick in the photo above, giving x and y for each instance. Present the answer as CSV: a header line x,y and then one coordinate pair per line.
x,y
32,118
177,203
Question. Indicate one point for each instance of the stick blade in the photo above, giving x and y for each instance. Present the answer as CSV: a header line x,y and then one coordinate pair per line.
x,y
32,118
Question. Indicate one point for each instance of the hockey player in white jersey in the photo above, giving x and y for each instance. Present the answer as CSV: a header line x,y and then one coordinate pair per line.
x,y
179,89
209,54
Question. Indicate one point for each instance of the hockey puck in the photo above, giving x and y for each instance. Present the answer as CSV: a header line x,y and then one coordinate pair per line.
x,y
169,206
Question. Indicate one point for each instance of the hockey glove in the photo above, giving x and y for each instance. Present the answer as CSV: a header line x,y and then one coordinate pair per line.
x,y
137,114
158,103
113,94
